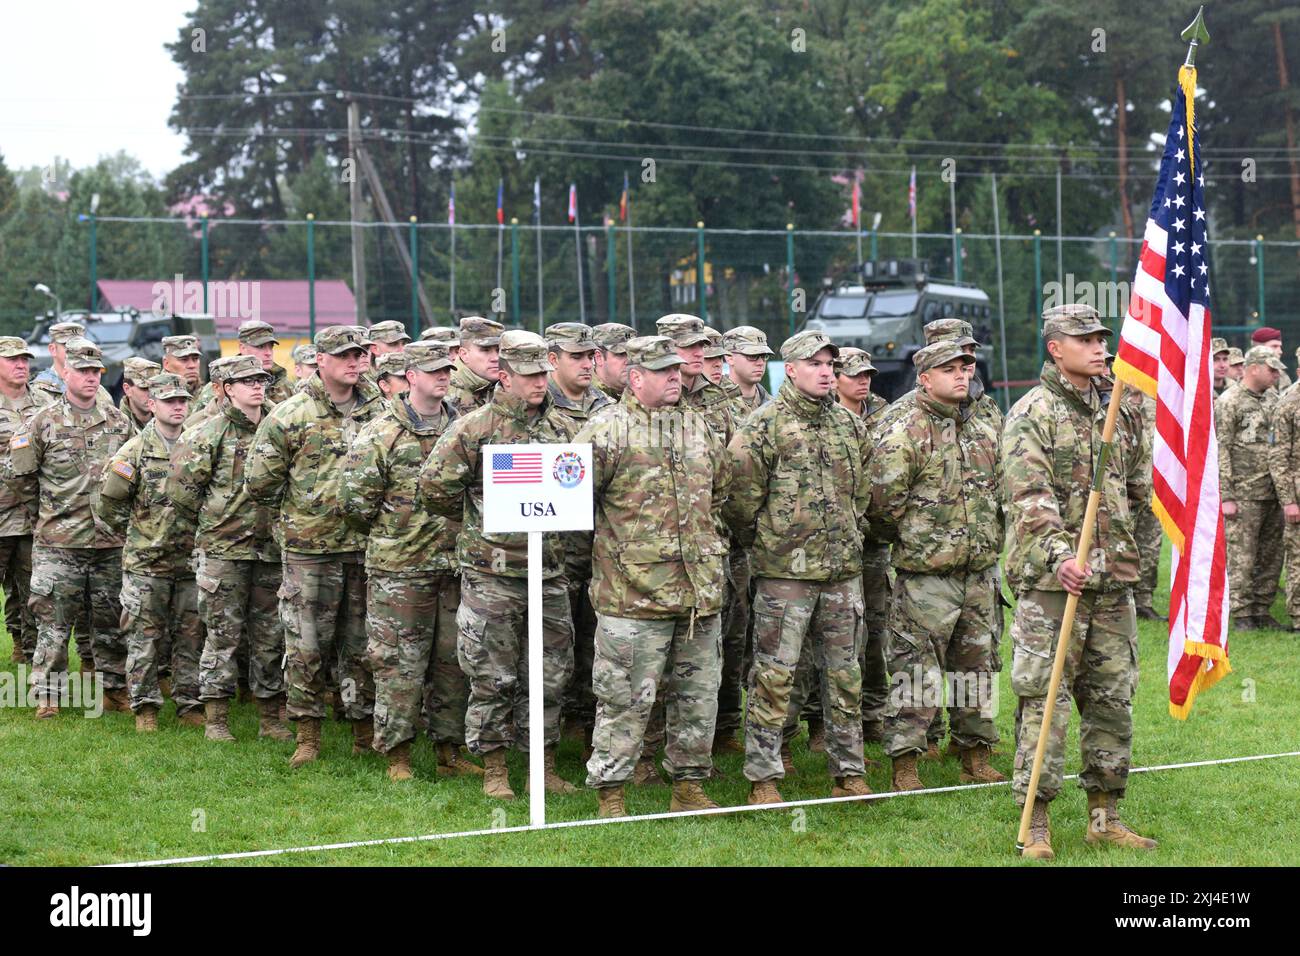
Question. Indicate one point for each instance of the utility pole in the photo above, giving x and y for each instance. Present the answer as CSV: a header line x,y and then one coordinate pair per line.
x,y
354,196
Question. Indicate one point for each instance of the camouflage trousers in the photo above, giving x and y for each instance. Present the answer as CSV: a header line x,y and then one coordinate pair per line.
x,y
1254,545
71,586
735,640
638,662
1149,537
16,578
1291,537
579,702
323,607
940,644
787,615
239,607
492,644
1101,674
160,616
411,622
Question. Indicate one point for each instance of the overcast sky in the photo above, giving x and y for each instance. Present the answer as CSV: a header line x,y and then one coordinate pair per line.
x,y
80,79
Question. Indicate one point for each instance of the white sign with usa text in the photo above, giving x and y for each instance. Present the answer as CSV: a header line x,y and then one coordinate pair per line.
x,y
537,488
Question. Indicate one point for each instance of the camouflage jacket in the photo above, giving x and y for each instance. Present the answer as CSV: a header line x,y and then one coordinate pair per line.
x,y
137,426
133,499
742,405
1284,452
934,490
380,492
714,404
468,390
297,464
51,385
206,484
577,544
872,410
978,406
280,387
1243,421
17,495
1050,447
451,483
66,450
660,477
799,488
614,396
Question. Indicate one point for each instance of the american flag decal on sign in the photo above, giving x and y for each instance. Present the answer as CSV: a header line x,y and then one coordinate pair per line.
x,y
517,468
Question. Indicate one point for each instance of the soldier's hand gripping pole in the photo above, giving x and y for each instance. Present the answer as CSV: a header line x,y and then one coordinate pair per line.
x,y
1071,606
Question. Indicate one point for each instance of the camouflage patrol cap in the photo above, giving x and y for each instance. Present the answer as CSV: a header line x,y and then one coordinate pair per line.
x,y
1072,320
363,332
138,371
304,354
83,353
613,337
684,330
854,361
1235,356
181,346
446,336
940,353
714,347
11,346
257,333
60,332
426,356
167,385
476,330
244,367
337,339
217,368
1263,355
524,351
653,352
391,363
570,337
746,340
390,332
806,344
1218,345
942,329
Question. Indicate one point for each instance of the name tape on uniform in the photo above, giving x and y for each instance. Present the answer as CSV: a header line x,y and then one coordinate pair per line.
x,y
537,488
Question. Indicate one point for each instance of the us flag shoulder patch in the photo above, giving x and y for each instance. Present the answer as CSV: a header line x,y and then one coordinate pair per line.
x,y
19,441
124,469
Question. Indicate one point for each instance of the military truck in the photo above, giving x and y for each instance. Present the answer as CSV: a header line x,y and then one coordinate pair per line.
x,y
124,333
883,308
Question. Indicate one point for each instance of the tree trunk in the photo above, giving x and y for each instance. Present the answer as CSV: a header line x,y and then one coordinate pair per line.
x,y
1121,129
1283,83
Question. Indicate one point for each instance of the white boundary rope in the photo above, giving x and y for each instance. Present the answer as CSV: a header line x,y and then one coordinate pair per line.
x,y
567,824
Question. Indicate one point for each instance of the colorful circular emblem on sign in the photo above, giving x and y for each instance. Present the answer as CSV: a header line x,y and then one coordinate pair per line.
x,y
569,469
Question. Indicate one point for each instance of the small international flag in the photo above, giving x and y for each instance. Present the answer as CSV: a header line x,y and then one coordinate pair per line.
x,y
537,199
501,202
573,202
857,203
622,202
517,468
451,206
911,195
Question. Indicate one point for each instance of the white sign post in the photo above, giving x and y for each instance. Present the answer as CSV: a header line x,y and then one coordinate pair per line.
x,y
536,488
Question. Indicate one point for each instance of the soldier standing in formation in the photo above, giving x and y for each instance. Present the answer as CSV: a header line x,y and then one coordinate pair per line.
x,y
1220,353
698,391
747,353
304,365
1284,464
390,375
1271,339
182,356
476,372
136,373
611,357
386,338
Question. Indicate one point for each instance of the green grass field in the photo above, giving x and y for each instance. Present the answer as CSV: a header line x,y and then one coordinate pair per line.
x,y
75,791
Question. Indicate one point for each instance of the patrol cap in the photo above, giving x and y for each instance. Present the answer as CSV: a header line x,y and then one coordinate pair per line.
x,y
83,353
854,361
257,333
167,385
1072,320
60,332
746,340
217,367
391,363
363,332
806,344
181,346
427,356
448,337
1235,357
337,339
304,354
684,330
389,333
941,329
613,337
524,351
243,367
1218,345
940,353
11,346
570,337
138,371
653,352
476,330
714,347
1263,355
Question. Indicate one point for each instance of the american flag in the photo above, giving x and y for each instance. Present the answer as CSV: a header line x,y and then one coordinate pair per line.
x,y
517,468
1164,350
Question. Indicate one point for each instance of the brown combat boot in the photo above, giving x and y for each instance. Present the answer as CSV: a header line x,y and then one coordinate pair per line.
x,y
1105,826
191,718
646,774
850,787
47,708
726,743
1039,844
308,748
975,766
116,699
905,777
610,800
269,723
496,779
165,686
146,719
931,750
553,782
689,795
452,763
217,723
363,736
399,762
787,759
764,791
817,737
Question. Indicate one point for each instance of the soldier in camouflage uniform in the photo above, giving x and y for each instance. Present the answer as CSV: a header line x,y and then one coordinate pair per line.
x,y
1284,465
747,354
1220,352
1271,339
160,614
444,335
182,356
50,381
1050,447
611,357
935,498
390,375
386,338
18,403
475,375
660,479
218,399
136,372
76,560
797,499
698,391
237,560
304,365
715,355
297,463
1252,516
1236,365
492,620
